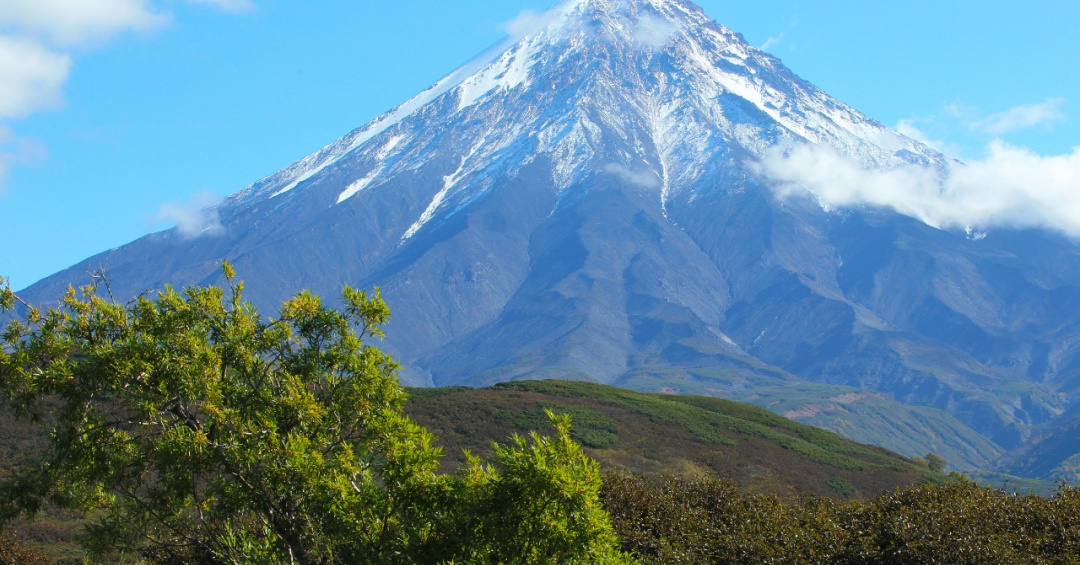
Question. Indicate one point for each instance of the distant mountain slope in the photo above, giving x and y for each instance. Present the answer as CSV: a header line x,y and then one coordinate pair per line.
x,y
1053,454
585,201
857,414
654,433
870,417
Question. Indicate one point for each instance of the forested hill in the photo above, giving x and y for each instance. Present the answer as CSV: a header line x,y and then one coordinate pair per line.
x,y
667,434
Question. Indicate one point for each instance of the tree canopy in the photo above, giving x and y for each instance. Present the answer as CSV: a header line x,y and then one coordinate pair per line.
x,y
191,429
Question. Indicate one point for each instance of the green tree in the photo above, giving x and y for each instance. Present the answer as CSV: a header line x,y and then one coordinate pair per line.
x,y
196,431
935,462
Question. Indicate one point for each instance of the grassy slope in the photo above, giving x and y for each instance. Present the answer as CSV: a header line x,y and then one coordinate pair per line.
x,y
654,433
861,416
870,417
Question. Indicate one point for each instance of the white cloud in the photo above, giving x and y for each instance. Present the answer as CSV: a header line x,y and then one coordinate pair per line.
x,y
649,30
15,150
31,77
960,121
78,22
231,6
35,39
1021,118
644,178
655,32
1002,123
529,22
32,70
910,128
193,219
1010,187
772,42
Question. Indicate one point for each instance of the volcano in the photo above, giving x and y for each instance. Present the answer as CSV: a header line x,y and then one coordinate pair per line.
x,y
586,201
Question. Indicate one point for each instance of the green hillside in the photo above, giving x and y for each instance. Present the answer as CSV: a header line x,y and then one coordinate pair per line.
x,y
867,416
859,415
667,434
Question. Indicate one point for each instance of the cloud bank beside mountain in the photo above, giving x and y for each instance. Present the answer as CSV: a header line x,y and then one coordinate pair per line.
x,y
1010,187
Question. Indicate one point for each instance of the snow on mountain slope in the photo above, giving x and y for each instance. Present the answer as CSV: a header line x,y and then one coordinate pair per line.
x,y
686,72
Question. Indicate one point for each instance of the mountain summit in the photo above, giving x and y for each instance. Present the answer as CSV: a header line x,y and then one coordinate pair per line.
x,y
586,201
674,90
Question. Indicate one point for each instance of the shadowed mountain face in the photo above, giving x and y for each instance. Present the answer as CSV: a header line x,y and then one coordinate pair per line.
x,y
583,202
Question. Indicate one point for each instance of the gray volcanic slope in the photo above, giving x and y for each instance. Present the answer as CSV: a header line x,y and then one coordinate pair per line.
x,y
582,202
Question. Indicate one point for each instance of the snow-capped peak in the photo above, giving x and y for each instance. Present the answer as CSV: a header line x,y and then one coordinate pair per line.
x,y
641,85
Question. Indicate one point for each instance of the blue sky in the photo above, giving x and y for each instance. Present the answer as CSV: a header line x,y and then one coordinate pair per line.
x,y
117,114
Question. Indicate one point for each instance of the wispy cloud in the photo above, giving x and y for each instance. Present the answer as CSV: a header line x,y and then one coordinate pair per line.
x,y
962,120
36,35
912,129
195,218
78,23
15,151
529,22
1021,118
231,6
643,177
1009,187
772,42
654,31
649,30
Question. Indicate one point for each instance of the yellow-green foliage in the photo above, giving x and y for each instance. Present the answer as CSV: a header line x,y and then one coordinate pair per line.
x,y
538,505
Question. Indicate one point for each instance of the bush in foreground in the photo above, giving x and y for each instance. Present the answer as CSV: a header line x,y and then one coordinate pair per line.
x,y
14,552
703,520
